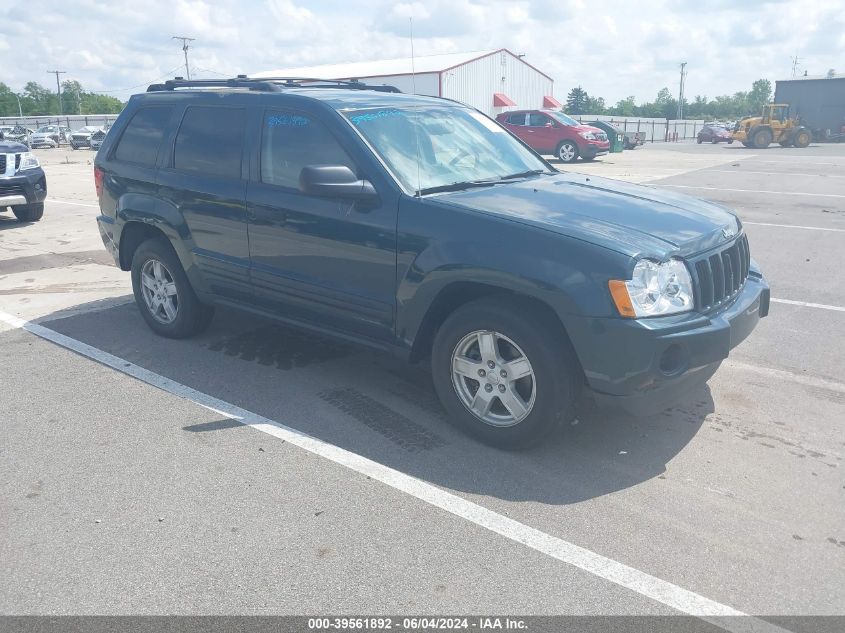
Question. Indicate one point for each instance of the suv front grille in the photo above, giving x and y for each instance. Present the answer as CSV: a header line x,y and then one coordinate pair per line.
x,y
12,190
2,163
720,276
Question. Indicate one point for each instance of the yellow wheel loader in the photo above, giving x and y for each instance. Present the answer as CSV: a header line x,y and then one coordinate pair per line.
x,y
773,126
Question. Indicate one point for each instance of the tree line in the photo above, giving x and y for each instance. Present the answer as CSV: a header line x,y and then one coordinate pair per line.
x,y
665,106
36,100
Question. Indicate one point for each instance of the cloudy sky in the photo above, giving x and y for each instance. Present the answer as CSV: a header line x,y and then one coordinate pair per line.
x,y
612,48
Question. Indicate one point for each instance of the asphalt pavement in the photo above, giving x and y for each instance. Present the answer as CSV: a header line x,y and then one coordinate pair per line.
x,y
120,496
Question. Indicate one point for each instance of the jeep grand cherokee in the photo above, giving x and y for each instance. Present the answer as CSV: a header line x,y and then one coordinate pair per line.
x,y
420,226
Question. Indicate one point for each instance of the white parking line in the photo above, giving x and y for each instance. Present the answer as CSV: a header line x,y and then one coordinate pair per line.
x,y
780,374
806,304
78,204
779,193
765,173
611,570
796,226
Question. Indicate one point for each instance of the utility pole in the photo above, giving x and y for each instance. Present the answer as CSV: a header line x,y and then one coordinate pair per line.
x,y
185,48
681,91
795,62
58,86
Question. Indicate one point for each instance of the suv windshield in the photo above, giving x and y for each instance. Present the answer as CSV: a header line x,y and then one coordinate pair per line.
x,y
560,116
430,148
46,129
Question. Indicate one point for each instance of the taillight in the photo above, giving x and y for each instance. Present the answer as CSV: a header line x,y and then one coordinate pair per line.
x,y
98,181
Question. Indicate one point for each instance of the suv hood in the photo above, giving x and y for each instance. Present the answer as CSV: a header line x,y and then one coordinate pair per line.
x,y
632,219
587,128
10,147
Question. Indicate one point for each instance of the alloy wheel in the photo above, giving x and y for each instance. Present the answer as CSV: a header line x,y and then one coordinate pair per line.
x,y
159,291
493,378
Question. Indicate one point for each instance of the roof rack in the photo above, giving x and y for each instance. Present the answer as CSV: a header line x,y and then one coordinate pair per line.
x,y
267,84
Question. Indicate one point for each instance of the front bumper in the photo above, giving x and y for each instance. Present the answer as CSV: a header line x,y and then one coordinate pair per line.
x,y
642,366
25,187
43,142
591,150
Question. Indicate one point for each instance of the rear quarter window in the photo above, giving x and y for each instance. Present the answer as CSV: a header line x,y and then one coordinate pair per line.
x,y
210,141
141,140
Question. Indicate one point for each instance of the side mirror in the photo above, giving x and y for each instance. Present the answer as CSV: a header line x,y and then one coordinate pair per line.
x,y
549,124
335,181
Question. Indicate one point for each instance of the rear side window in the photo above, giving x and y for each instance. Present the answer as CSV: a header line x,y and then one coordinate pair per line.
x,y
292,140
537,120
517,119
141,139
210,141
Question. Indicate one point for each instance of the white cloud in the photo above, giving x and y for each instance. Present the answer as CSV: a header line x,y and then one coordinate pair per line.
x,y
613,48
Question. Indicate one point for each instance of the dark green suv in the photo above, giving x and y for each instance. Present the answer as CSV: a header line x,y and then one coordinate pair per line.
x,y
420,226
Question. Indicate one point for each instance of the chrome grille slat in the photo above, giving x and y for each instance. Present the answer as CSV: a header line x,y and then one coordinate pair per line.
x,y
720,275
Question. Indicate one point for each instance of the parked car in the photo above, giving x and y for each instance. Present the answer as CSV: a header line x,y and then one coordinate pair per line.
x,y
23,185
552,132
82,136
18,134
50,136
96,139
417,225
714,134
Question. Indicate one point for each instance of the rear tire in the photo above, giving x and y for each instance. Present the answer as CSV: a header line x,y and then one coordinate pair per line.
x,y
698,140
567,152
29,213
541,398
801,137
184,315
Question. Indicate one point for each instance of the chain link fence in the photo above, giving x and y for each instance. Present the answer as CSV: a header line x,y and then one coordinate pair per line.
x,y
73,121
656,130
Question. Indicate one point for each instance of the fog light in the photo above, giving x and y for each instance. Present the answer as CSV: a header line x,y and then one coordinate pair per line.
x,y
673,360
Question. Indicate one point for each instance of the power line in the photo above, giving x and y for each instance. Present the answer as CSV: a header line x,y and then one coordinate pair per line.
x,y
58,86
185,48
168,74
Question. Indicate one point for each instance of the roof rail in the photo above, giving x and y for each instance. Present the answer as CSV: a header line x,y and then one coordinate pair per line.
x,y
309,82
238,82
267,84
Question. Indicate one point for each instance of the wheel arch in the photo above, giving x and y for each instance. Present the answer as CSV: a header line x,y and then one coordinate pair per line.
x,y
456,294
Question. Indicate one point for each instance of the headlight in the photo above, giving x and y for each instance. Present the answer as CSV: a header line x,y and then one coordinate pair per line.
x,y
655,289
587,135
28,161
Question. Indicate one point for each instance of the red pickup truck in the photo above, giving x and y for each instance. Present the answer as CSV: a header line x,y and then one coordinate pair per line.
x,y
552,132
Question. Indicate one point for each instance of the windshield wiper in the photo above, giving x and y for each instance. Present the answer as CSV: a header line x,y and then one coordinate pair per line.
x,y
458,186
524,174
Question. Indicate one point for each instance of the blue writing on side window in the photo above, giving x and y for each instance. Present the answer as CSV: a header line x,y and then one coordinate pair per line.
x,y
373,116
288,120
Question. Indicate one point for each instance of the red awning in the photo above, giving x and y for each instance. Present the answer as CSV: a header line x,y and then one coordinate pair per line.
x,y
501,100
550,102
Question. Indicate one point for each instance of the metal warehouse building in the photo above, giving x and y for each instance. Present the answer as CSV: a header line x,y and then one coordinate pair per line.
x,y
491,81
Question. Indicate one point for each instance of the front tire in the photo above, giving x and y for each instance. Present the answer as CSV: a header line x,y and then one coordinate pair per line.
x,y
567,152
761,139
801,137
30,212
163,293
502,374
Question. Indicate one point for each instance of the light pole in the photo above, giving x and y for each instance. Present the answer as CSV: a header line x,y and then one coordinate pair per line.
x,y
20,110
58,86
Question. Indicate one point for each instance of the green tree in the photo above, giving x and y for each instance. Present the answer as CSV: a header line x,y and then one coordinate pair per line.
x,y
576,101
595,105
760,95
72,96
624,107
